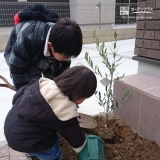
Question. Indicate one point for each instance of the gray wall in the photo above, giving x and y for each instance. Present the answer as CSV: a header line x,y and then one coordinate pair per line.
x,y
85,12
46,0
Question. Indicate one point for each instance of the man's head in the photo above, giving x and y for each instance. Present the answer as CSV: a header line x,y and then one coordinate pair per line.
x,y
65,40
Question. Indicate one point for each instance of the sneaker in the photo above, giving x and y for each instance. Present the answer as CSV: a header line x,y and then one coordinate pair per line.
x,y
33,157
28,155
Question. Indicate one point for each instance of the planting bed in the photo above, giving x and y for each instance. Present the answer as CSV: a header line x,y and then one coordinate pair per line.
x,y
126,145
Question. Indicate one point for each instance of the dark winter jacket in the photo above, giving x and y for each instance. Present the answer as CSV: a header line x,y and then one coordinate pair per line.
x,y
39,111
36,12
27,65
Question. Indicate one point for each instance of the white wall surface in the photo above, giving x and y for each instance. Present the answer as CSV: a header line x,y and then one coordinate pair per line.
x,y
85,11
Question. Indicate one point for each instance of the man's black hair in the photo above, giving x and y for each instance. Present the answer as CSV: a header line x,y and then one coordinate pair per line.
x,y
66,38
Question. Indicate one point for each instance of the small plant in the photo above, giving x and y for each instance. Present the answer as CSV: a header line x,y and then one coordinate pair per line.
x,y
106,100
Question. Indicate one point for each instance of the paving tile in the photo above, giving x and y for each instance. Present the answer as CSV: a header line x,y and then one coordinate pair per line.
x,y
142,81
4,151
149,118
129,111
5,158
14,155
155,91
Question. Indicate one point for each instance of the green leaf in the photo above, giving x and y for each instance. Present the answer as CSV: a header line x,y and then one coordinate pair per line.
x,y
86,56
99,72
129,94
117,65
117,105
123,100
106,88
115,35
114,54
100,104
112,106
99,95
105,51
115,45
122,76
97,41
108,62
106,75
119,59
95,68
94,33
102,47
91,64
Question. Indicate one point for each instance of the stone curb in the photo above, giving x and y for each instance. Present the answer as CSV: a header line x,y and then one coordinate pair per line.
x,y
6,153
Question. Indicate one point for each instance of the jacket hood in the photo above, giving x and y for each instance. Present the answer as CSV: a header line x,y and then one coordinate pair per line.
x,y
42,100
62,107
36,12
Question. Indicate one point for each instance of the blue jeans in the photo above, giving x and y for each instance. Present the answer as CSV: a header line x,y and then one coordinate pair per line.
x,y
54,153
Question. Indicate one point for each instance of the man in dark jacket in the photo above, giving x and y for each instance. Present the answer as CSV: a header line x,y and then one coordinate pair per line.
x,y
41,45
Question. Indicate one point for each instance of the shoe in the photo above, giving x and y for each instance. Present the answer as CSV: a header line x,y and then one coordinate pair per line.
x,y
28,155
33,157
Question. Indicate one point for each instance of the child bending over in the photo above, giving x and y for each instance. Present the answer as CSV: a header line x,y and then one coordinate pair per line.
x,y
46,107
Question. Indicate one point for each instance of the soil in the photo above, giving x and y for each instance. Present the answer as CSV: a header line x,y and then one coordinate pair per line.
x,y
125,144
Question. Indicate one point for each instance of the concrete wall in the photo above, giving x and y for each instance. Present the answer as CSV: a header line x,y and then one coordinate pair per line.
x,y
151,69
86,13
107,35
3,42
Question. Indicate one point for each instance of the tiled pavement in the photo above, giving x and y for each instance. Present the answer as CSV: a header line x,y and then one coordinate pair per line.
x,y
6,153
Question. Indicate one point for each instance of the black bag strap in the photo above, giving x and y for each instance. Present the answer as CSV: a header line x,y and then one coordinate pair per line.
x,y
37,35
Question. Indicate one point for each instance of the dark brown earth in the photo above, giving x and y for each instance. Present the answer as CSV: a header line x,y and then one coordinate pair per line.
x,y
125,145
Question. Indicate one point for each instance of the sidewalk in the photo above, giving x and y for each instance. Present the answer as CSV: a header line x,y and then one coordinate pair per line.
x,y
89,106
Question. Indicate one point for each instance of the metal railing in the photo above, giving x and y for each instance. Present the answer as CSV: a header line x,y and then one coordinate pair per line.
x,y
84,14
9,9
